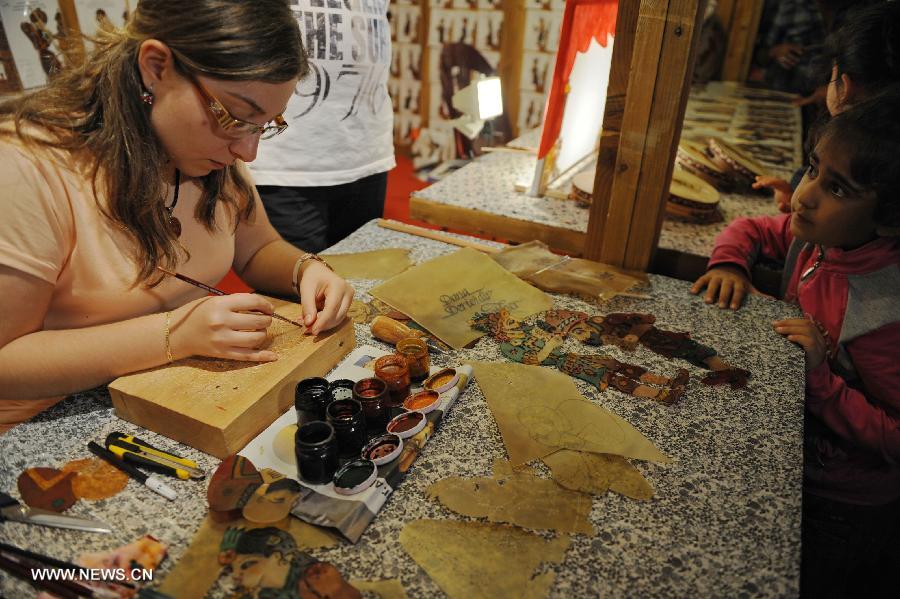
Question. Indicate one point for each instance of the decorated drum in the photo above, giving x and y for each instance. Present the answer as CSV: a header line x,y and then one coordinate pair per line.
x,y
691,199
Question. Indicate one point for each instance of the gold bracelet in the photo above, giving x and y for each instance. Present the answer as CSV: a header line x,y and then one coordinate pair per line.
x,y
169,356
295,284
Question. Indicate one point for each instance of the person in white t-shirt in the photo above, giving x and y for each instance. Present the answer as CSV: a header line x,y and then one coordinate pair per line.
x,y
327,174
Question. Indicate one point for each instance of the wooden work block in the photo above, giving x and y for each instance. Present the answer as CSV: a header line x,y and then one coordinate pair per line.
x,y
218,406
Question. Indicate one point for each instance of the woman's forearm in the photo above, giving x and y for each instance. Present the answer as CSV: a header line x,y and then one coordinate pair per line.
x,y
50,363
271,268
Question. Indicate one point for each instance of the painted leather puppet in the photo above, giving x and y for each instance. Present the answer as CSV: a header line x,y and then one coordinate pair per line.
x,y
627,330
533,345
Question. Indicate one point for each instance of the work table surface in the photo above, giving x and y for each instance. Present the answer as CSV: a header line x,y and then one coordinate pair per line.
x,y
725,520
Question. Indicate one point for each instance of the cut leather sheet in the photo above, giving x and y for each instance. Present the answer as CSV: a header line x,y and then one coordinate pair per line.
x,y
540,411
47,489
198,568
597,473
444,293
389,588
534,262
377,264
519,498
95,478
473,559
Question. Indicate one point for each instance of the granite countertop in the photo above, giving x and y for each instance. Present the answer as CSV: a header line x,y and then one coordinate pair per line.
x,y
725,520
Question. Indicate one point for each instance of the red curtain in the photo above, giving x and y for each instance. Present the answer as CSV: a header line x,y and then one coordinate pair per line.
x,y
583,21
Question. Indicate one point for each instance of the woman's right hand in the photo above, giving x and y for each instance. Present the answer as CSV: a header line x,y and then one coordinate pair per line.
x,y
725,285
222,327
781,189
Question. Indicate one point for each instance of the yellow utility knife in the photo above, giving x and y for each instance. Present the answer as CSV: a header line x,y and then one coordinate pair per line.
x,y
140,453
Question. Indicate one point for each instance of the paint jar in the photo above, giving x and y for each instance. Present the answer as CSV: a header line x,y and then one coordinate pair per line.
x,y
394,371
317,452
372,393
311,397
349,423
341,389
416,353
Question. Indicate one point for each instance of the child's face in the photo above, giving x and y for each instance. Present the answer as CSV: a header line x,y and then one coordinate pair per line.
x,y
829,207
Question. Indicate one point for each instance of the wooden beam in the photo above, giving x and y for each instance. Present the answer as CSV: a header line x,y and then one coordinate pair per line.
x,y
510,68
630,216
620,67
741,31
495,225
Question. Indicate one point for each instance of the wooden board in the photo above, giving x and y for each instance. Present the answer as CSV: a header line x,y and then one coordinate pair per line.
x,y
218,406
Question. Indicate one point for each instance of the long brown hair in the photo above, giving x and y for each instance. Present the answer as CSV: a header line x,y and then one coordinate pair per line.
x,y
96,107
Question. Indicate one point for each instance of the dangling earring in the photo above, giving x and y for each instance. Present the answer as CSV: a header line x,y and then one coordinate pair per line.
x,y
147,97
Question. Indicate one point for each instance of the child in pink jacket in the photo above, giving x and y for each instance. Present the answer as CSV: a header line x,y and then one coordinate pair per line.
x,y
841,254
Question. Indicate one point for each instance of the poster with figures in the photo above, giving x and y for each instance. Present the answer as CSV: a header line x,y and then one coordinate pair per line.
x,y
489,27
410,61
535,75
94,15
32,29
531,110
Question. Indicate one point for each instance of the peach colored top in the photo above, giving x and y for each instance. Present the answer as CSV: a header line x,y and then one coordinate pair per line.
x,y
51,228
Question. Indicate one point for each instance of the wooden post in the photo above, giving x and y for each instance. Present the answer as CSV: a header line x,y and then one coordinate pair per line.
x,y
741,31
624,223
511,53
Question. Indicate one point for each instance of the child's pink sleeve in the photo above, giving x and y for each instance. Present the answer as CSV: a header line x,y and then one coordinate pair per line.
x,y
868,417
746,239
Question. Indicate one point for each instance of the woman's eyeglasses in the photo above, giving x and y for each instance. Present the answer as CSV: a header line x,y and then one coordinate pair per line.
x,y
234,126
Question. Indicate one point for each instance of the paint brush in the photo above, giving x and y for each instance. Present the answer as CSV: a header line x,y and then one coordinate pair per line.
x,y
215,291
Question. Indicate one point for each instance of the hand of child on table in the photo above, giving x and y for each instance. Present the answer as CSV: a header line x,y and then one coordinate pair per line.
x,y
222,327
325,297
807,335
727,285
787,55
780,187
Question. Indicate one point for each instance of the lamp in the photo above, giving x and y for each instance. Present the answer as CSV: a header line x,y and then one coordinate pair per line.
x,y
482,99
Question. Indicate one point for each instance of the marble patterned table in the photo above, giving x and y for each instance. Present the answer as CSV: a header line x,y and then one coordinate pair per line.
x,y
725,520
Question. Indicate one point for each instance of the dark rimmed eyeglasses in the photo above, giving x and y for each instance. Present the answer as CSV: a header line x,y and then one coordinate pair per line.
x,y
233,126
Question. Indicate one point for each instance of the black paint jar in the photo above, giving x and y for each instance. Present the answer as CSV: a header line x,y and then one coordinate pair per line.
x,y
311,397
317,452
349,423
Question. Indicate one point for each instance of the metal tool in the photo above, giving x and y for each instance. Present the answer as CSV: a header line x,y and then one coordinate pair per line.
x,y
140,453
11,509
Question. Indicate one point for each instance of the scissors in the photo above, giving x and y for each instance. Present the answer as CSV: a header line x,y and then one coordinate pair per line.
x,y
11,509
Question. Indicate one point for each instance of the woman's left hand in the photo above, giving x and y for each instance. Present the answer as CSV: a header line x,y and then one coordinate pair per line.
x,y
325,297
806,334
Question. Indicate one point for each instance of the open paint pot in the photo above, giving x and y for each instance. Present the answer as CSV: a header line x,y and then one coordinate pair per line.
x,y
346,416
317,452
372,393
394,370
383,449
423,401
355,477
407,424
311,397
442,380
